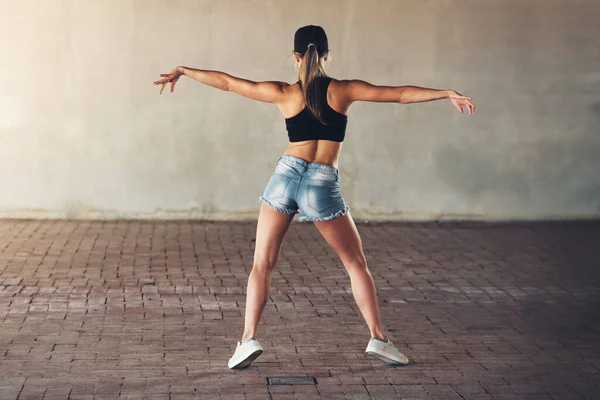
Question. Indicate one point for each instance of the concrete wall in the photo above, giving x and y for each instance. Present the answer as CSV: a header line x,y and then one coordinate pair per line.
x,y
84,133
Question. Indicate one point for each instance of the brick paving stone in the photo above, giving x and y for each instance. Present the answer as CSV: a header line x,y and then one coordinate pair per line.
x,y
9,392
257,396
412,392
380,389
529,396
302,396
153,309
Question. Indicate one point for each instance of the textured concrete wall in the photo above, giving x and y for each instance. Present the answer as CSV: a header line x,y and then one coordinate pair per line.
x,y
84,134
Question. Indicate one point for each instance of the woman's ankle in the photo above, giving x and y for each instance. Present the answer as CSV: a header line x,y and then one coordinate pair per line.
x,y
245,338
381,336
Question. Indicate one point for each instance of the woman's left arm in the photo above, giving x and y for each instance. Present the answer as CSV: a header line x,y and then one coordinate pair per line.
x,y
416,94
269,92
358,90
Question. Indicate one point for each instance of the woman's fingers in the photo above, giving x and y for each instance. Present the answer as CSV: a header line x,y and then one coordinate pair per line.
x,y
460,101
166,79
158,82
471,106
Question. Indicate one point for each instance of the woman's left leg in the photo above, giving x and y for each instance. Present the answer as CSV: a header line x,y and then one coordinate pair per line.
x,y
343,237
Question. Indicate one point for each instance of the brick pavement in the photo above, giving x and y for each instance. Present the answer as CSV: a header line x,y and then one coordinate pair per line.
x,y
134,309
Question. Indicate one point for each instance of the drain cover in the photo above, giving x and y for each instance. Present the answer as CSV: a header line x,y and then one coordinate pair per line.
x,y
292,380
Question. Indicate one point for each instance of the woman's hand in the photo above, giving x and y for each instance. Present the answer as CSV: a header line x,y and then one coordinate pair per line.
x,y
459,101
172,77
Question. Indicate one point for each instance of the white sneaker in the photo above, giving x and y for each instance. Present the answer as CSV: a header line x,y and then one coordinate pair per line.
x,y
386,351
245,353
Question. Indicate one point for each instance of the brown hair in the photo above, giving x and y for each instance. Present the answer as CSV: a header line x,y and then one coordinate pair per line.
x,y
311,69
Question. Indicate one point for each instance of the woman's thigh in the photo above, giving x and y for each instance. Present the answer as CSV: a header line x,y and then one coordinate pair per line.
x,y
271,229
343,237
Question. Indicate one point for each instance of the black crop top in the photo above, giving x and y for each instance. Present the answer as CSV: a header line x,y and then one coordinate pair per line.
x,y
305,126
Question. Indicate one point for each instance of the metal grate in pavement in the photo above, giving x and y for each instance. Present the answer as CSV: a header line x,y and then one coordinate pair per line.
x,y
292,380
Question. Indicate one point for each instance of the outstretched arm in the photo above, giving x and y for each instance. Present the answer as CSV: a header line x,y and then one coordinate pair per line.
x,y
269,92
357,90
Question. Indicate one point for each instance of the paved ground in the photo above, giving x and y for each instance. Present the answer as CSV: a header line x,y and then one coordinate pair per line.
x,y
131,310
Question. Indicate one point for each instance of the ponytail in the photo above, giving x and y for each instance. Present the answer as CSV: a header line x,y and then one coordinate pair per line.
x,y
311,69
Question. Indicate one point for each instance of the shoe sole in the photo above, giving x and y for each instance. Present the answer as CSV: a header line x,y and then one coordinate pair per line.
x,y
384,358
248,360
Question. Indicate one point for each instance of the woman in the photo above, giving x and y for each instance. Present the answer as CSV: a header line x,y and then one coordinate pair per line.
x,y
306,178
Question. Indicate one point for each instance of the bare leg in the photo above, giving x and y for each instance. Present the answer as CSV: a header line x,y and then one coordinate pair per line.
x,y
270,232
343,237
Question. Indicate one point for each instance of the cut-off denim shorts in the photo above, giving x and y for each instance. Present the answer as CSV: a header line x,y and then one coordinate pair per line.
x,y
310,189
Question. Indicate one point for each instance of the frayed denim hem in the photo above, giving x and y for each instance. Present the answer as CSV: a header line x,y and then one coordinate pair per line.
x,y
273,206
304,218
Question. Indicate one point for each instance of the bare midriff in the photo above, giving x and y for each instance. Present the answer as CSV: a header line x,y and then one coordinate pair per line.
x,y
316,151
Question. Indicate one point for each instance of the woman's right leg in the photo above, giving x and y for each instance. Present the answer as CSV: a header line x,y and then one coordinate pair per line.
x,y
270,232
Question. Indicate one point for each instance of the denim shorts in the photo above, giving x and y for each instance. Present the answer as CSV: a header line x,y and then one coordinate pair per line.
x,y
310,189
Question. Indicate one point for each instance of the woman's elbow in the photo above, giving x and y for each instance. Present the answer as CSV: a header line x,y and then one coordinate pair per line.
x,y
402,97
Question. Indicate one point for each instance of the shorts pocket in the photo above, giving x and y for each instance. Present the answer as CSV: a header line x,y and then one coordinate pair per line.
x,y
277,187
319,197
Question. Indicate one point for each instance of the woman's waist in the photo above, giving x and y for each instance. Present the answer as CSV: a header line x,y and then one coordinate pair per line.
x,y
297,166
315,151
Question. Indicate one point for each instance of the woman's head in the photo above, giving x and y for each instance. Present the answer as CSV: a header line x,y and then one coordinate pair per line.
x,y
311,49
311,34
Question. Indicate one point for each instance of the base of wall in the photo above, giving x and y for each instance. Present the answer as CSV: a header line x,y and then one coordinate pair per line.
x,y
252,215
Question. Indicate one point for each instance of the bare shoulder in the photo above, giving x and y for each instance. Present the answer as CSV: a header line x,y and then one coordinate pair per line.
x,y
352,90
339,83
277,85
291,90
292,99
288,86
339,95
345,88
346,82
353,84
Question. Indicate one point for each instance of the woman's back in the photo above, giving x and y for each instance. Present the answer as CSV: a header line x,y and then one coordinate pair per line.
x,y
328,125
295,101
309,138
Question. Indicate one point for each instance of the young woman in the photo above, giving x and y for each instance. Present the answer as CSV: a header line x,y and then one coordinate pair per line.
x,y
306,178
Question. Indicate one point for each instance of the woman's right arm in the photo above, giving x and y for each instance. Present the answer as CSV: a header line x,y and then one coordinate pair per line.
x,y
357,90
268,91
